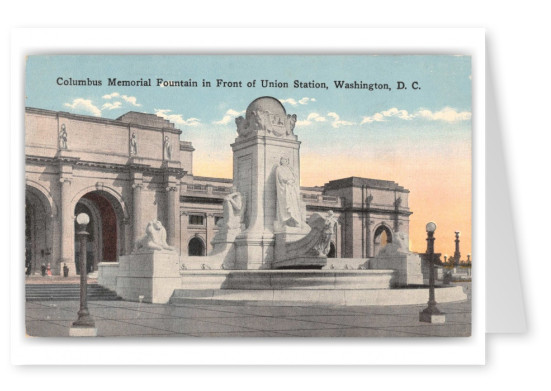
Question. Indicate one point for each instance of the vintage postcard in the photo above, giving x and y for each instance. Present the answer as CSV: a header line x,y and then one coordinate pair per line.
x,y
248,195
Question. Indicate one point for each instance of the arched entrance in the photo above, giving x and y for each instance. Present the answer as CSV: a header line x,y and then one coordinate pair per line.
x,y
38,231
105,229
383,236
196,247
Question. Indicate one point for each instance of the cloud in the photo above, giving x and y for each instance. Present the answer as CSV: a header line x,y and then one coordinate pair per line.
x,y
294,102
229,116
111,106
84,105
129,99
109,96
337,122
447,114
383,115
177,119
335,119
305,100
316,117
291,101
312,117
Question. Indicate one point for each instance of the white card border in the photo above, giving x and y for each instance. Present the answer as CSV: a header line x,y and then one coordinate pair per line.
x,y
350,351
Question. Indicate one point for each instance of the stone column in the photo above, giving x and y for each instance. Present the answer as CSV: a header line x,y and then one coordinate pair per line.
x,y
397,204
67,226
210,232
137,206
338,240
183,229
368,237
50,253
172,214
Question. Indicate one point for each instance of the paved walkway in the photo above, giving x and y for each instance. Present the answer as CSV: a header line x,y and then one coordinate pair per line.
x,y
120,318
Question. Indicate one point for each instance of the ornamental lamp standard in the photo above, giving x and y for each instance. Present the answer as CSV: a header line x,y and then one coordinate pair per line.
x,y
431,314
84,326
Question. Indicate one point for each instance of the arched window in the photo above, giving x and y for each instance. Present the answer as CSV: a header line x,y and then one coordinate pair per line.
x,y
382,236
196,247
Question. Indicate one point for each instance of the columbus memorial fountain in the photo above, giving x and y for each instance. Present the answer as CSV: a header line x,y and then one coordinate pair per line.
x,y
265,251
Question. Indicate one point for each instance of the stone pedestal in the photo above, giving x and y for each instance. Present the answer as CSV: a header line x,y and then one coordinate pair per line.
x,y
407,267
432,318
83,332
396,256
223,247
149,276
107,274
254,251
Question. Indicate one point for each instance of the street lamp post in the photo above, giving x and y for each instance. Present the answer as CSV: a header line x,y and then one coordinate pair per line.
x,y
431,314
84,326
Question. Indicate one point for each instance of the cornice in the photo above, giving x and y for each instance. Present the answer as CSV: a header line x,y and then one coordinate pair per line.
x,y
99,120
178,172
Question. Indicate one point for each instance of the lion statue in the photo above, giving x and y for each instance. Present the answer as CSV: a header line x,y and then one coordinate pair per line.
x,y
399,244
154,238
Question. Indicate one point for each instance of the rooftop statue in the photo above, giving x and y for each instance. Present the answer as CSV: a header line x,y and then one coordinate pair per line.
x,y
63,137
168,149
133,145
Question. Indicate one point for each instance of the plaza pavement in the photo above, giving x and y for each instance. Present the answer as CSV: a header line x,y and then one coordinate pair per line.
x,y
129,319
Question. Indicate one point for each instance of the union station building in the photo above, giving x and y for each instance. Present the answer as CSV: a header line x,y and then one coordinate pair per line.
x,y
126,172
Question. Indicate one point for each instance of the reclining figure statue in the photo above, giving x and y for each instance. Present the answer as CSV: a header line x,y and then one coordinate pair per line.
x,y
154,238
399,245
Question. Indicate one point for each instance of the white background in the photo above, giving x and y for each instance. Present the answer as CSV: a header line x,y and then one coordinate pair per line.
x,y
517,49
249,352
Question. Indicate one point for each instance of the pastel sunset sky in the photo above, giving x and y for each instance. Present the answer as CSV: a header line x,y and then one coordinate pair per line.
x,y
420,138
